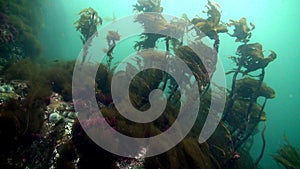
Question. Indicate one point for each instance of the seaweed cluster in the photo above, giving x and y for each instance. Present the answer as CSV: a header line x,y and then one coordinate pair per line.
x,y
229,145
288,156
39,124
87,23
243,103
243,110
148,6
18,29
210,26
21,118
242,32
112,37
27,112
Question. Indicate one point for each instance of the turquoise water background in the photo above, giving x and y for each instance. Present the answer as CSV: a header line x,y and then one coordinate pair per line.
x,y
277,28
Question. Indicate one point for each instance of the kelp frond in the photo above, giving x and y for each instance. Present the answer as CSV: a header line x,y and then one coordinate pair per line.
x,y
288,155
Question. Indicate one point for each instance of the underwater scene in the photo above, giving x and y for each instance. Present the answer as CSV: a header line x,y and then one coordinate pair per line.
x,y
154,84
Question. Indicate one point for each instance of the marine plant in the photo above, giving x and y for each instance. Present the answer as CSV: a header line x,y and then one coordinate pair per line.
x,y
87,25
18,30
112,37
21,120
52,145
23,112
152,22
148,6
241,31
243,110
210,26
288,155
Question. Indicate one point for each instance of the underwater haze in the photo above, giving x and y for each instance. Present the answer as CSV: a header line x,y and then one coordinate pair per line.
x,y
276,28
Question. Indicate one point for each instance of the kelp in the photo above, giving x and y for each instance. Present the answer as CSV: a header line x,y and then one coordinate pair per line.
x,y
153,24
252,57
211,26
224,149
237,118
288,155
87,23
148,6
221,145
103,79
190,58
112,37
246,86
241,31
243,112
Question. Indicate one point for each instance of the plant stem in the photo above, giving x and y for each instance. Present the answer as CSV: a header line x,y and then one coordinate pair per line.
x,y
167,55
231,99
263,146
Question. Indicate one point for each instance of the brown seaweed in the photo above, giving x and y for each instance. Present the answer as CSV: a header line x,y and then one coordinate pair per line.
x,y
241,31
288,155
